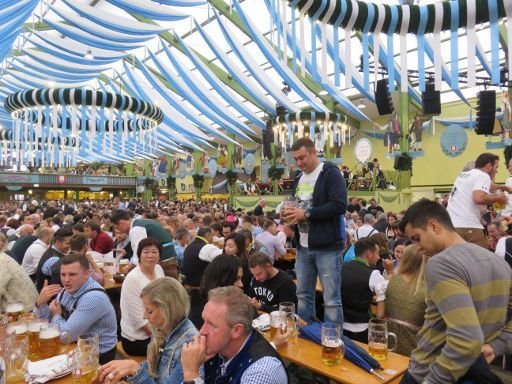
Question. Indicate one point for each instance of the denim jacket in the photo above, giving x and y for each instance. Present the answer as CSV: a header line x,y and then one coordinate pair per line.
x,y
169,366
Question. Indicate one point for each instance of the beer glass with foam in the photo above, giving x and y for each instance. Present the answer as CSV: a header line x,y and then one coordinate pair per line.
x,y
16,361
277,321
333,348
18,328
49,340
34,326
378,336
14,310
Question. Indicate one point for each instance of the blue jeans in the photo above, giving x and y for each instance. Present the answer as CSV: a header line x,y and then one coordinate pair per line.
x,y
327,266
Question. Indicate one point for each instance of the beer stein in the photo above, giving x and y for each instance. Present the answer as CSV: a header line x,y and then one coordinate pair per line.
x,y
14,310
289,202
34,326
83,367
5,340
292,319
333,348
378,339
49,340
89,344
18,328
277,321
16,360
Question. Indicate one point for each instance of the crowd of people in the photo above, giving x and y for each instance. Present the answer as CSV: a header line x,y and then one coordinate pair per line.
x,y
197,273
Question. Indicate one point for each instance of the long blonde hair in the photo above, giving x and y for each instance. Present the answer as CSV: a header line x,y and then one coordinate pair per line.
x,y
173,302
412,264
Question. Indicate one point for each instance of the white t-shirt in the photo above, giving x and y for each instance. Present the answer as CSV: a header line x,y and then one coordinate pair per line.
x,y
304,192
132,309
508,209
462,209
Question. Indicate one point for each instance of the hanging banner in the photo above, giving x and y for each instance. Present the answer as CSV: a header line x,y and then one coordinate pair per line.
x,y
212,167
249,163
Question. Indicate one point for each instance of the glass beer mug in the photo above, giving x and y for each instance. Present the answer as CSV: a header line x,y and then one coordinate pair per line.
x,y
292,319
34,326
49,340
277,321
333,348
83,367
16,360
378,336
14,310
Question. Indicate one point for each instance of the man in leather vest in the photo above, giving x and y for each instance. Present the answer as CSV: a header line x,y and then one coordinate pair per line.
x,y
227,347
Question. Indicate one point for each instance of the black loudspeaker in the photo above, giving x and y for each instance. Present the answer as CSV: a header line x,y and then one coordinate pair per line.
x,y
431,100
486,112
268,138
403,163
280,110
383,98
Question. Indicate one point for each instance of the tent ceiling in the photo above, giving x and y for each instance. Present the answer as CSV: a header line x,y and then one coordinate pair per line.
x,y
215,109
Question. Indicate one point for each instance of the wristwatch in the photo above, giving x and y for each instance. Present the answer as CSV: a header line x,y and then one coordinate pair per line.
x,y
197,380
307,214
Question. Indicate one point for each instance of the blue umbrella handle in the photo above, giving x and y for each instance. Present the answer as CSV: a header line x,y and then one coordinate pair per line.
x,y
372,371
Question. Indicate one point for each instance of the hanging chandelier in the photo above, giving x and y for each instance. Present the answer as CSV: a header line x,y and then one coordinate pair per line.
x,y
319,126
56,126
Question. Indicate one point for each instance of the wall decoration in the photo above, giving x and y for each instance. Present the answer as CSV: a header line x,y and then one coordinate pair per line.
x,y
249,163
212,167
363,150
454,141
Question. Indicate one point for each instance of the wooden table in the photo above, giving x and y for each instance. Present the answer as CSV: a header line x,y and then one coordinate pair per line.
x,y
308,354
109,283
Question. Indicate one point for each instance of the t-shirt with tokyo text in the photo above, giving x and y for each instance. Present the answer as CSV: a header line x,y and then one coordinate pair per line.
x,y
304,193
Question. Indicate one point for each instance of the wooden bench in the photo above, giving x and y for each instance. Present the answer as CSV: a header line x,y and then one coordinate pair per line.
x,y
121,352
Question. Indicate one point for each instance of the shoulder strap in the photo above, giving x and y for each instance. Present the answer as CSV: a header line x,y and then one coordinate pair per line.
x,y
373,230
90,290
357,234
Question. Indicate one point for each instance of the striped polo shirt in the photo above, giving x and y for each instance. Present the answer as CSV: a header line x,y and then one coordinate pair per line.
x,y
468,296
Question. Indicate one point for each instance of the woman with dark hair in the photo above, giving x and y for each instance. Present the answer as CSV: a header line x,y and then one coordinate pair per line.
x,y
235,245
223,271
135,331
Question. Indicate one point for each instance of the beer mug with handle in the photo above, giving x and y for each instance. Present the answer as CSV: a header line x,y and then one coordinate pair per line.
x,y
89,344
49,340
16,360
292,319
378,336
83,367
14,310
333,348
277,322
34,326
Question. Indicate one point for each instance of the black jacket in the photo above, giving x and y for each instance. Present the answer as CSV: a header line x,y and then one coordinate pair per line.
x,y
326,225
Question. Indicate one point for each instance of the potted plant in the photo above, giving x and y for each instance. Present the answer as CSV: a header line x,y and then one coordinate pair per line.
x,y
231,177
275,173
198,181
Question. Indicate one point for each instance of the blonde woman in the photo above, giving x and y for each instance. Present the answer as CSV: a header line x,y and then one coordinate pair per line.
x,y
166,307
405,299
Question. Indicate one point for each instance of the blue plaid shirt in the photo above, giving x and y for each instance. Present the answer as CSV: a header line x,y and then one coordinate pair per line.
x,y
93,314
179,253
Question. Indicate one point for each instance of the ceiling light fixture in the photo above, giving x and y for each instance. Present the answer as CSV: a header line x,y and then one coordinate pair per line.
x,y
89,55
361,104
